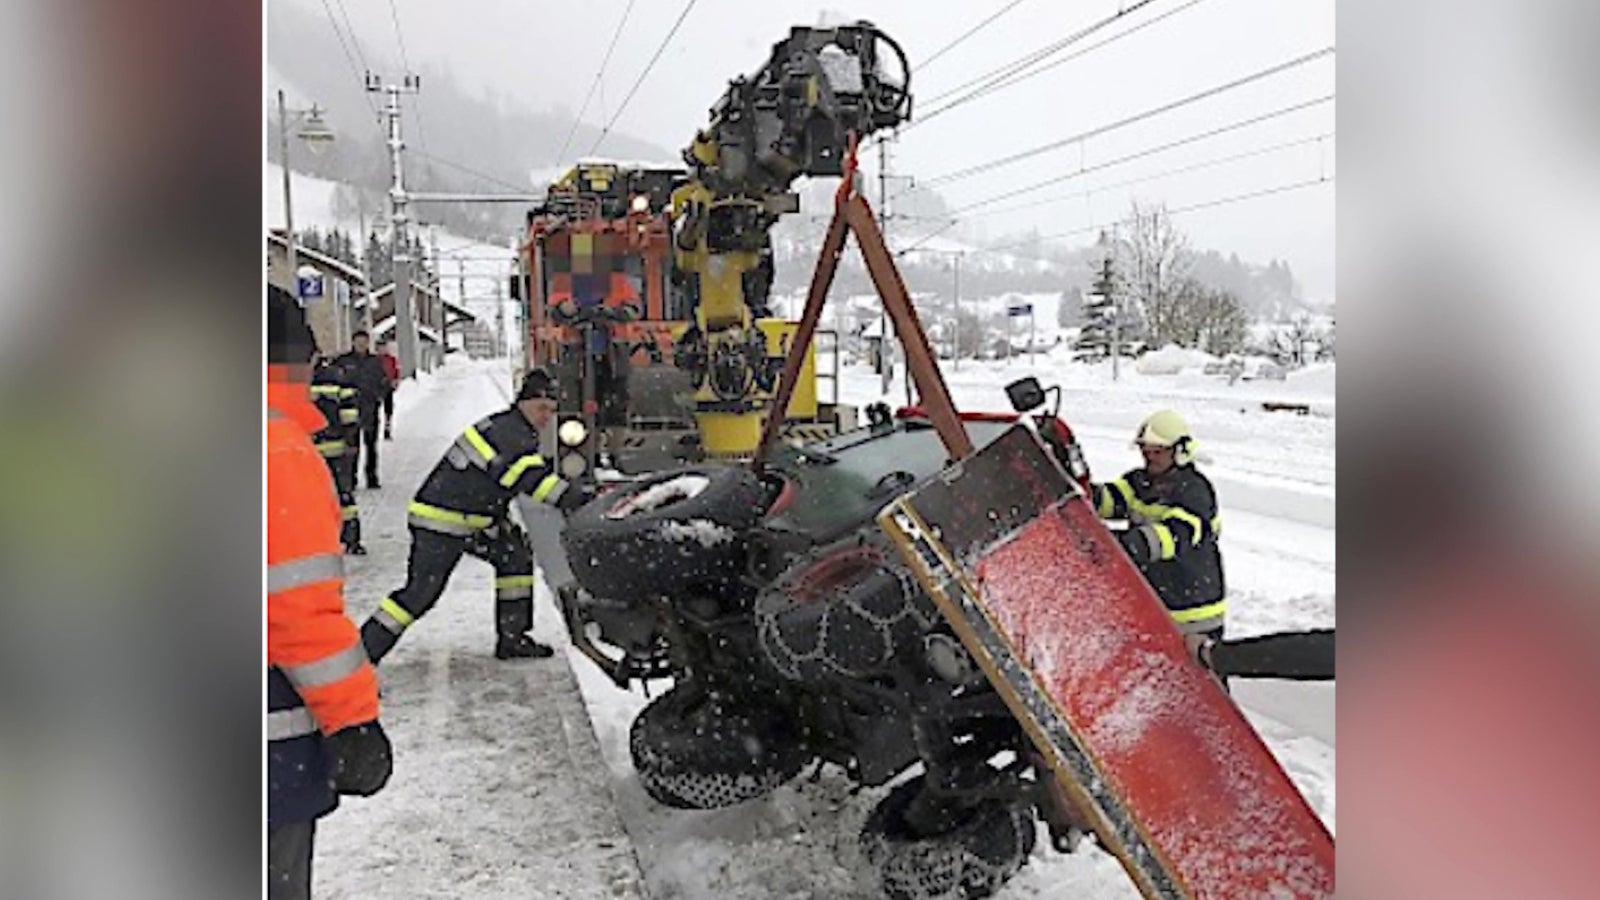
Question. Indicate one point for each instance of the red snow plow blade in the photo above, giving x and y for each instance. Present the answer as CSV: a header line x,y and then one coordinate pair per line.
x,y
1176,782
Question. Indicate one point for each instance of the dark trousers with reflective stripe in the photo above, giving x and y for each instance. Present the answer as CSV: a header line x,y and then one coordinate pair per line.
x,y
434,556
289,861
343,469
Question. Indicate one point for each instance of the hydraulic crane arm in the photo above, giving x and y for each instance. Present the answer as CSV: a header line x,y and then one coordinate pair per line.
x,y
795,117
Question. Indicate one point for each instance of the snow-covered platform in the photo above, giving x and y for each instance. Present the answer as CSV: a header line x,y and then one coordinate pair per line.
x,y
502,790
499,788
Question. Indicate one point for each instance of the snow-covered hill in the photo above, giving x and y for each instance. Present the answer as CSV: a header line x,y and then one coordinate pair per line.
x,y
471,272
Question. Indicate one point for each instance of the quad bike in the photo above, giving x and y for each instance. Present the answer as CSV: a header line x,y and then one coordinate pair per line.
x,y
793,633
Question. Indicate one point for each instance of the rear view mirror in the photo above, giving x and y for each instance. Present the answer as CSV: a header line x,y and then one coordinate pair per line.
x,y
1025,394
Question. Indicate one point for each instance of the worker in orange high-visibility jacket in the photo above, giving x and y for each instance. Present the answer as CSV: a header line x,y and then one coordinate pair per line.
x,y
323,736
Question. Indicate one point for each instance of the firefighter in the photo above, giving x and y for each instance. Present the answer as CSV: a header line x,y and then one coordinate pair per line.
x,y
463,507
337,401
322,730
1173,524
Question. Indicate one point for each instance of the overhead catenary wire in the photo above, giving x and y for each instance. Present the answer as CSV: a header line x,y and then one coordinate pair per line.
x,y
399,35
598,75
405,60
1157,176
1100,189
356,70
1020,76
1209,204
460,167
1040,54
604,132
965,35
1008,70
355,41
993,164
1209,133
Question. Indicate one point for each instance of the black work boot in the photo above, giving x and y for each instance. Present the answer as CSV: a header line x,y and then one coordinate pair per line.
x,y
520,646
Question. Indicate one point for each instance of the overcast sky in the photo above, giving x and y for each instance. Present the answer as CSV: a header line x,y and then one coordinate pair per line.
x,y
546,54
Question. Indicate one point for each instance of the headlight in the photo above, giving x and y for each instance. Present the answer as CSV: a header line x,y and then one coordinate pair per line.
x,y
573,465
572,432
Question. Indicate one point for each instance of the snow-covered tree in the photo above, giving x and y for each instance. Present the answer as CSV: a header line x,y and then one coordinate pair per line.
x,y
1098,309
1152,259
1325,343
1215,319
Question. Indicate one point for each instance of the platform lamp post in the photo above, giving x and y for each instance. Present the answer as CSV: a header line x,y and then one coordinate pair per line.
x,y
317,137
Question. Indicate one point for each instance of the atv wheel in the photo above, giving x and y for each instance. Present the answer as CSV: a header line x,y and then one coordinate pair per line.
x,y
973,851
665,534
849,610
695,749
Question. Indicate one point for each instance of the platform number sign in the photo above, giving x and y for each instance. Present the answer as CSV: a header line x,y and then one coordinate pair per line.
x,y
309,284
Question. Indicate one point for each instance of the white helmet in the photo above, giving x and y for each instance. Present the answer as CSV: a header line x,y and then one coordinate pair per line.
x,y
1165,428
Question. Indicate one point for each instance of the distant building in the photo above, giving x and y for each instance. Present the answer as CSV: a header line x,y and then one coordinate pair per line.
x,y
435,317
336,314
477,339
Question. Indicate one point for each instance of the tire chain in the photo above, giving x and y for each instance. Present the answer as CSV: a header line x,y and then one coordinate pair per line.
x,y
789,659
696,790
944,869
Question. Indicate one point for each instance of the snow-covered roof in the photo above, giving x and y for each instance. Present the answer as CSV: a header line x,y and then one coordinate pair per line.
x,y
386,326
418,286
351,273
421,288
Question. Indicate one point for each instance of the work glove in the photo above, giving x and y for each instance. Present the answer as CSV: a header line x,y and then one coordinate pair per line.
x,y
1200,647
362,759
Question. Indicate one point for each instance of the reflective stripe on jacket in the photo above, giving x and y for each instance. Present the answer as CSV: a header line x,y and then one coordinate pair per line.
x,y
1176,516
492,461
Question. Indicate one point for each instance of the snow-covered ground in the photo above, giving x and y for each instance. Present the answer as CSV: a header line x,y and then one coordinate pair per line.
x,y
495,792
468,815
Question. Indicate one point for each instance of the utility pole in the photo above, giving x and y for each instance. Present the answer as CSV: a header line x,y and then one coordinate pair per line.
x,y
405,324
499,320
366,259
288,198
461,296
1033,355
959,255
435,271
435,267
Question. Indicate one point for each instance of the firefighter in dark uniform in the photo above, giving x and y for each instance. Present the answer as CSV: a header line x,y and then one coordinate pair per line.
x,y
336,400
1173,524
463,507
